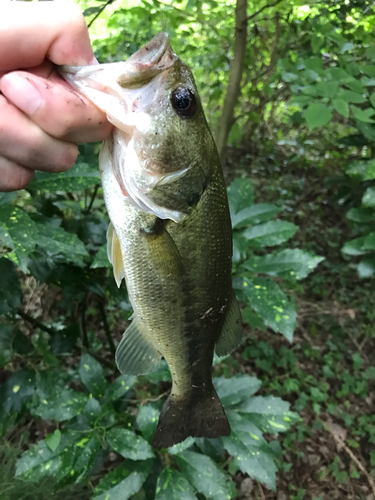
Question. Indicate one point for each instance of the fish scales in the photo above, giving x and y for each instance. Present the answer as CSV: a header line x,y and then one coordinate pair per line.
x,y
170,235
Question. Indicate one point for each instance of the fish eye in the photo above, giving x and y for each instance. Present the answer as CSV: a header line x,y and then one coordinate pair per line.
x,y
184,102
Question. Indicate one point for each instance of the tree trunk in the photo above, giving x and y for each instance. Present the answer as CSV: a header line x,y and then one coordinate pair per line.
x,y
235,77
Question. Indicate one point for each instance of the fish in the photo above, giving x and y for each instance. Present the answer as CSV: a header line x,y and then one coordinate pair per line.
x,y
170,234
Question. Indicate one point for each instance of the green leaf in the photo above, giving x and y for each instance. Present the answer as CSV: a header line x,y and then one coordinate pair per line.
x,y
121,386
370,171
364,115
288,263
17,391
129,444
372,99
254,214
289,77
366,268
341,107
180,447
68,463
252,318
250,451
237,389
53,440
172,485
213,448
240,194
101,258
270,233
124,481
147,420
206,476
300,100
268,300
368,199
59,245
270,414
10,287
7,198
361,214
22,231
359,246
350,96
92,375
78,178
7,334
370,52
317,115
366,129
63,405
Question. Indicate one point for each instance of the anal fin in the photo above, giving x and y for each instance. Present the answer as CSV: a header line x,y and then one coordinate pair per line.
x,y
231,333
134,354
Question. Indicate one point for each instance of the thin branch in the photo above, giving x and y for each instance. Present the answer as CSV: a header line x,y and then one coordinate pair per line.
x,y
92,199
106,328
262,496
99,12
34,322
262,9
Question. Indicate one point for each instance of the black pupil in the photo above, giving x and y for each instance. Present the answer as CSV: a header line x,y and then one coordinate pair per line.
x,y
184,103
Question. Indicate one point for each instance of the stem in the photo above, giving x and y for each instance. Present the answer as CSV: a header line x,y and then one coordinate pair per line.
x,y
34,322
87,211
85,339
106,328
99,12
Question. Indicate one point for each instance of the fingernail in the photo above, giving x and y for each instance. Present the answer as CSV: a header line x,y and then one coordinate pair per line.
x,y
21,93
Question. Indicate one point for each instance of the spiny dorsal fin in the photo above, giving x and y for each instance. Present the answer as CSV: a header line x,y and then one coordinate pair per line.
x,y
115,255
134,354
231,333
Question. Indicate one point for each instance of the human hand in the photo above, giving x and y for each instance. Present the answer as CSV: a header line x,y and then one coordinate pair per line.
x,y
42,118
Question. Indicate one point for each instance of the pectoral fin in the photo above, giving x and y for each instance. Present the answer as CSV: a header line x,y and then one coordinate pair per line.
x,y
115,255
163,252
134,354
231,333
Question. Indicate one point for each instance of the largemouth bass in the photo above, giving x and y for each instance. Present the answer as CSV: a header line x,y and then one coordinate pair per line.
x,y
170,235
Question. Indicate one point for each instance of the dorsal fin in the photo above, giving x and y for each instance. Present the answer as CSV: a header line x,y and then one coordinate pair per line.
x,y
115,255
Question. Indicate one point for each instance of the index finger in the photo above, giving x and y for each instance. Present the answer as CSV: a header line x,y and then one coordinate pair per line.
x,y
32,32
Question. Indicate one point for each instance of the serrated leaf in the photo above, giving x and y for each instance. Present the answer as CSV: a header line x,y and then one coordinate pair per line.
x,y
250,451
368,199
289,263
240,194
206,476
147,420
364,115
269,413
254,214
63,405
68,463
53,440
268,300
366,268
172,485
124,481
121,386
101,258
59,245
22,231
129,444
270,233
237,389
317,115
10,287
341,107
78,178
92,375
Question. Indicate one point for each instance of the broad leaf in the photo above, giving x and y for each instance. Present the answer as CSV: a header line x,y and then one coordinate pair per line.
x,y
71,460
92,375
361,215
78,178
268,300
147,420
368,199
341,107
22,231
53,440
288,263
123,481
237,389
240,195
364,115
366,268
101,258
10,288
360,246
121,386
63,405
254,214
270,233
212,448
129,444
180,447
172,485
249,449
317,115
16,392
206,476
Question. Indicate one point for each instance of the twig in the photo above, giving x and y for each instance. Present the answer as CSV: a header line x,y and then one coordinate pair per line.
x,y
142,402
341,444
262,9
35,322
99,12
262,496
85,339
92,199
106,328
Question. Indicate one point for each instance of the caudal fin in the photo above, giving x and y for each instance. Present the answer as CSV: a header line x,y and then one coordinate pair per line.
x,y
200,415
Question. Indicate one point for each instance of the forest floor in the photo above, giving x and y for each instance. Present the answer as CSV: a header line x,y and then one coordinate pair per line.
x,y
327,373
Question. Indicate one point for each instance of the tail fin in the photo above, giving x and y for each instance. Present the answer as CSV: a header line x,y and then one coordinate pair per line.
x,y
200,415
